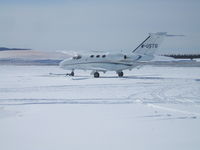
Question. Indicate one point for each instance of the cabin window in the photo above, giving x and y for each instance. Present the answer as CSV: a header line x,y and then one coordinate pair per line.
x,y
77,57
103,56
98,56
125,56
91,56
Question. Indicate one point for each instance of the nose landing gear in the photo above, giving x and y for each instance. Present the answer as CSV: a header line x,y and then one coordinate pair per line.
x,y
70,74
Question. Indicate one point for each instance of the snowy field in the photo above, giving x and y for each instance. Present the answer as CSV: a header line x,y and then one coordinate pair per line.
x,y
150,108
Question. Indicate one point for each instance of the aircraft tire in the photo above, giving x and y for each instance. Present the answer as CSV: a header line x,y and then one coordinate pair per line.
x,y
72,73
96,75
120,74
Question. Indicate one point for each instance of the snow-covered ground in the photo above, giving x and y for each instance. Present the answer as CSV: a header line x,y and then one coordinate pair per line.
x,y
150,108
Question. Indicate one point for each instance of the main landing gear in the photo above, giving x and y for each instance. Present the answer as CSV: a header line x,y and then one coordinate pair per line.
x,y
120,74
96,74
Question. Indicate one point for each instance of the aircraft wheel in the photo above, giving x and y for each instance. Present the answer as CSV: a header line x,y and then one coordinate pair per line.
x,y
72,73
96,75
120,74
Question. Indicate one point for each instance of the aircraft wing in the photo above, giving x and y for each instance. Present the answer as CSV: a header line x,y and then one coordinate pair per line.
x,y
99,69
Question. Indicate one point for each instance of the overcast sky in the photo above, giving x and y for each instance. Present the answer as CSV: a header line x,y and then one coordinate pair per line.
x,y
97,25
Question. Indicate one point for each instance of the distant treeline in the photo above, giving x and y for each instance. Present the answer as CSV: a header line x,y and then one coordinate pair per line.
x,y
12,49
183,56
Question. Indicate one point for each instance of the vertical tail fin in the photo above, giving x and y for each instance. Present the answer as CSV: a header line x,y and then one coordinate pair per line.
x,y
150,44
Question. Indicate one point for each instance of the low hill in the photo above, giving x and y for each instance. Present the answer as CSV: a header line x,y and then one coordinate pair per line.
x,y
12,49
31,57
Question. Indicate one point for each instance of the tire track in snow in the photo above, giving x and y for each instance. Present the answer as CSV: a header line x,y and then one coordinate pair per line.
x,y
173,110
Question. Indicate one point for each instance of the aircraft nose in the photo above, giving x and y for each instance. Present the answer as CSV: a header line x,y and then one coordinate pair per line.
x,y
64,64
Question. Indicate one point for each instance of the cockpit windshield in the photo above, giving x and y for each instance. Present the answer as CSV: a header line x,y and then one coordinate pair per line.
x,y
77,57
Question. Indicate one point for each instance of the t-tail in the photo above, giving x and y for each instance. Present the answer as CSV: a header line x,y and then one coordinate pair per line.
x,y
150,44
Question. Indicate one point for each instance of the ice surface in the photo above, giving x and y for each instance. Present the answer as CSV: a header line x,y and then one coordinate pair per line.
x,y
149,108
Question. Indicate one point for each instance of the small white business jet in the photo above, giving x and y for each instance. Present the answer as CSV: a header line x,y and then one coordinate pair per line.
x,y
116,62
